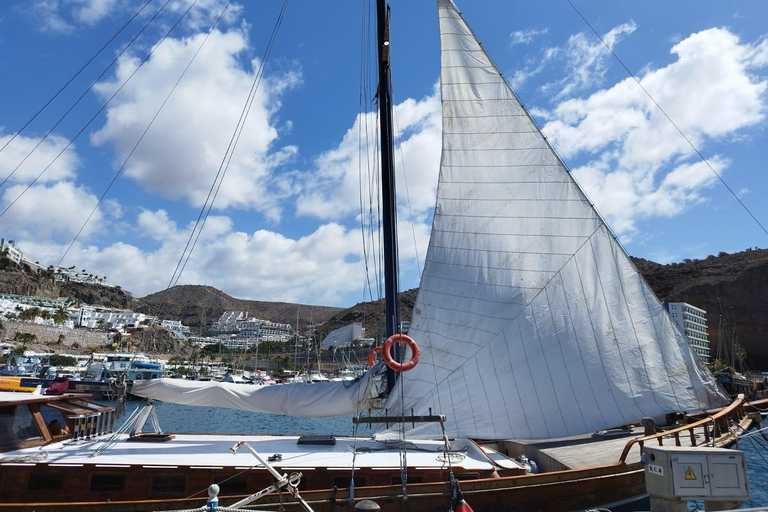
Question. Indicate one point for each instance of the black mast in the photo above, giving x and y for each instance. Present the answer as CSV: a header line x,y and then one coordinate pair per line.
x,y
389,212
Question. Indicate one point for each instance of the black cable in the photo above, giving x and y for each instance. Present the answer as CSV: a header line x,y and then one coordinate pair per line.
x,y
93,117
695,149
71,108
125,162
224,166
73,77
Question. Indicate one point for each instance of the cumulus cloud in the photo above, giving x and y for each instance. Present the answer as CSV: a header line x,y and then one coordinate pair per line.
x,y
587,60
525,36
333,190
197,123
49,212
640,166
322,267
65,16
19,164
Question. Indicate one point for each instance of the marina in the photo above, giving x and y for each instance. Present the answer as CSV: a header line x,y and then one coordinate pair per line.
x,y
538,372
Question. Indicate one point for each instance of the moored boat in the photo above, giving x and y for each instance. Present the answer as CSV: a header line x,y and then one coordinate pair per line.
x,y
531,326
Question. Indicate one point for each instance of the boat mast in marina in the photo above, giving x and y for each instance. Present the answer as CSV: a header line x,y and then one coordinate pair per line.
x,y
389,200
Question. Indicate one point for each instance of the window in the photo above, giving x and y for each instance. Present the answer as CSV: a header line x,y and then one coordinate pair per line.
x,y
232,484
108,482
44,482
169,484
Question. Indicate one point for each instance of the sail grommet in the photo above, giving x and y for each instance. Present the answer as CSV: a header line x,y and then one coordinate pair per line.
x,y
387,355
372,355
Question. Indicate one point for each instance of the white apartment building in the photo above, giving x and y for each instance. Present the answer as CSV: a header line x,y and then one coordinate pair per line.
x,y
249,331
92,318
693,322
176,328
343,336
14,254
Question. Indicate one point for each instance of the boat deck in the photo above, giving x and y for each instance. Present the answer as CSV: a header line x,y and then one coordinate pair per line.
x,y
579,452
213,451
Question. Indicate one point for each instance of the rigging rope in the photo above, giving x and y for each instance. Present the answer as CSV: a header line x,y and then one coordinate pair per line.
x,y
141,138
71,79
224,166
664,113
75,104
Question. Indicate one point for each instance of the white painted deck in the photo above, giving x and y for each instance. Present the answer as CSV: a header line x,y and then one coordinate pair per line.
x,y
213,451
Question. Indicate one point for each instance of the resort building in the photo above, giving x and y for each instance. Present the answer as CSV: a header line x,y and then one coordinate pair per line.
x,y
693,322
13,253
105,318
343,336
176,328
246,332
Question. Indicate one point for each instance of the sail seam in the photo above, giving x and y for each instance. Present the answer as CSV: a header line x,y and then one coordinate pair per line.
x,y
506,302
533,253
491,267
533,380
597,345
537,335
578,344
474,281
565,361
612,336
634,330
514,378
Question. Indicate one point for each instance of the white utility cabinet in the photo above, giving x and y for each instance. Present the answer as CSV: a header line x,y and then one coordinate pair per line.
x,y
695,473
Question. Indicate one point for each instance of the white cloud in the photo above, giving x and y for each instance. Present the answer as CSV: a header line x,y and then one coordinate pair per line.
x,y
49,212
586,59
65,16
197,123
21,147
640,165
333,191
525,36
320,268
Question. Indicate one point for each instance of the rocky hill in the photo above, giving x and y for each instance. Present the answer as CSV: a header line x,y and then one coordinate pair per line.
x,y
370,314
195,305
732,288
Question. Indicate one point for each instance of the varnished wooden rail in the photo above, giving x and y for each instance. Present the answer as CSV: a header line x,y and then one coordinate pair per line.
x,y
718,422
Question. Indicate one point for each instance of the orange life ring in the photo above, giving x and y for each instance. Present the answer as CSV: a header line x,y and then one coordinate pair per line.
x,y
389,361
372,355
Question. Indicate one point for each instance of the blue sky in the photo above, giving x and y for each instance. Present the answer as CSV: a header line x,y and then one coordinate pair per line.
x,y
285,226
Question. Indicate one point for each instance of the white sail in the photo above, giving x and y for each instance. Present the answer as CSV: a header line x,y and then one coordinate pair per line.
x,y
315,400
532,320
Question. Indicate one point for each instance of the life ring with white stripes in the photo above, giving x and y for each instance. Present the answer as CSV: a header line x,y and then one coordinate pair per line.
x,y
387,355
372,355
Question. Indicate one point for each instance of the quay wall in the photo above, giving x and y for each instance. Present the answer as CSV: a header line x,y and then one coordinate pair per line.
x,y
50,334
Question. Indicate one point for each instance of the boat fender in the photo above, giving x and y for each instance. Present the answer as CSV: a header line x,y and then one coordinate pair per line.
x,y
463,506
387,353
372,356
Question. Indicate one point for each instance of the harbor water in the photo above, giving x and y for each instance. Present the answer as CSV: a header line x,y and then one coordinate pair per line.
x,y
181,418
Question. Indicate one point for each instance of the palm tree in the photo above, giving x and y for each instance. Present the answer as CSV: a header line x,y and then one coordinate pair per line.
x,y
60,317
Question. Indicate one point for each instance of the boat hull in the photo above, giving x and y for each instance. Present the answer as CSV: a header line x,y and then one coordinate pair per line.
x,y
550,492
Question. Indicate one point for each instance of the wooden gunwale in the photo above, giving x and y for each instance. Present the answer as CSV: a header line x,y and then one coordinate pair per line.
x,y
718,421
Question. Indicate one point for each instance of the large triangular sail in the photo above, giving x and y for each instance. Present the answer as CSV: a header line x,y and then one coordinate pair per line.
x,y
532,320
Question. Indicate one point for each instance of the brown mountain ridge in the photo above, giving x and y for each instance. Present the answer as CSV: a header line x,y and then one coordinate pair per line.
x,y
732,288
